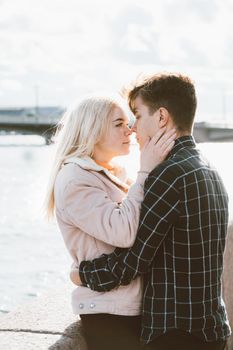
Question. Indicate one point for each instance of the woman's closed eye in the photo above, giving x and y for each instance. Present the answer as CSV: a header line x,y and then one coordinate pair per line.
x,y
122,124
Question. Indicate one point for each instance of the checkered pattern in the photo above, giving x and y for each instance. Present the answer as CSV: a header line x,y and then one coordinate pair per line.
x,y
178,249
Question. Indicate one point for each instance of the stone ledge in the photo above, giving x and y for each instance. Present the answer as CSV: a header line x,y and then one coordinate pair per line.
x,y
26,341
45,323
51,313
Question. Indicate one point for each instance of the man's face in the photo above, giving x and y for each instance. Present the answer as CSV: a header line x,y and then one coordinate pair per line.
x,y
146,124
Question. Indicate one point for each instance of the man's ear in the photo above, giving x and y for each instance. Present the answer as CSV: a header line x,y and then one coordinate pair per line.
x,y
164,116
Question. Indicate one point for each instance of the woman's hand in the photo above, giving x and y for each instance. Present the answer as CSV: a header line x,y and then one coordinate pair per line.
x,y
157,149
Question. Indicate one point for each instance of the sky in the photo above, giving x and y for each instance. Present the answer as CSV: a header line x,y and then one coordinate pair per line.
x,y
54,51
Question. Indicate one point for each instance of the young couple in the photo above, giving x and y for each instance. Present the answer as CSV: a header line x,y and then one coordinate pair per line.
x,y
161,287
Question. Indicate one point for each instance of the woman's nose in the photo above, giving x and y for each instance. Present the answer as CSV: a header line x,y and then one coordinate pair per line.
x,y
128,130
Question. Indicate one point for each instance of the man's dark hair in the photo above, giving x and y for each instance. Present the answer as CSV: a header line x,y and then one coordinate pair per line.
x,y
175,92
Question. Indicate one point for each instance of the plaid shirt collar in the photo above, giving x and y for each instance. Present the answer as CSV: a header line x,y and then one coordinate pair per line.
x,y
182,142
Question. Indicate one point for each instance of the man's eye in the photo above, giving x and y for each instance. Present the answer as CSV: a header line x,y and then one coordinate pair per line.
x,y
119,124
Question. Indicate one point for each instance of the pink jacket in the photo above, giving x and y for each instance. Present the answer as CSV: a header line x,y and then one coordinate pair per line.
x,y
94,216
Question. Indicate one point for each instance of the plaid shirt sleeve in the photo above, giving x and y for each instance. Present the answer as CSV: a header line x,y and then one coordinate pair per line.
x,y
160,210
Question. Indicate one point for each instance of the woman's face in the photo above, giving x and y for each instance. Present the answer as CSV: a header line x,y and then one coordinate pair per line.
x,y
116,141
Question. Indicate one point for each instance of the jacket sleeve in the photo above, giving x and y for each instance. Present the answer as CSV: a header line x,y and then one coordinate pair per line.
x,y
87,206
160,210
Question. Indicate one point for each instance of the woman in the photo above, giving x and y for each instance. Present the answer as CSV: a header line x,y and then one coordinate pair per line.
x,y
96,211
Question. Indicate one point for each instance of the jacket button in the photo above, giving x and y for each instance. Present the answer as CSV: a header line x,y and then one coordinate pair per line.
x,y
81,305
92,305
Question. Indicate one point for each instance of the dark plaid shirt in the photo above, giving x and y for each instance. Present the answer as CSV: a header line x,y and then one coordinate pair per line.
x,y
178,249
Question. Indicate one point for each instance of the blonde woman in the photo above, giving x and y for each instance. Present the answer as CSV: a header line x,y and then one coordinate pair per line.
x,y
96,211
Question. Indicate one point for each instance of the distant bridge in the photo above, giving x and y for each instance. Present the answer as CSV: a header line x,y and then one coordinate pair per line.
x,y
42,121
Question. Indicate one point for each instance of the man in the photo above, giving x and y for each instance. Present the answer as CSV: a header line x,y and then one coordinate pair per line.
x,y
182,229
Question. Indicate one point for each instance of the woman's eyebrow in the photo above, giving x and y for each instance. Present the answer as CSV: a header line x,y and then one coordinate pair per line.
x,y
118,119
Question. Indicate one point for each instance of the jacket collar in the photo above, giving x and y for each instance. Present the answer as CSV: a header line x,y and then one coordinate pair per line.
x,y
119,177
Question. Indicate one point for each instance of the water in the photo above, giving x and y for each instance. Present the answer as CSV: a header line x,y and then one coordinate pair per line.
x,y
33,258
32,254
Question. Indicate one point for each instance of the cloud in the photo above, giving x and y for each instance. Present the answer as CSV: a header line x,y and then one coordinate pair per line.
x,y
72,47
10,84
134,39
184,10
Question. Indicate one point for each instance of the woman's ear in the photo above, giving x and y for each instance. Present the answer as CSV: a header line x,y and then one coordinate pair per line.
x,y
164,116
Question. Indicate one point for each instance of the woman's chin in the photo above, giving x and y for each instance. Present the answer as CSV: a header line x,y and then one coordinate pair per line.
x,y
123,153
126,152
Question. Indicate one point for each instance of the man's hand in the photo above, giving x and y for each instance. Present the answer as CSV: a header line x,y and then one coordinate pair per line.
x,y
74,276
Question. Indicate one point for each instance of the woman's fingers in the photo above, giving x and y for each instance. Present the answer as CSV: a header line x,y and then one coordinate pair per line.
x,y
157,149
167,148
167,137
162,140
167,141
161,136
158,135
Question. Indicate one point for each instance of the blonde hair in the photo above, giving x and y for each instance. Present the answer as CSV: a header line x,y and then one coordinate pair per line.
x,y
79,130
